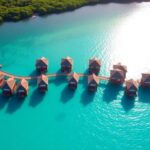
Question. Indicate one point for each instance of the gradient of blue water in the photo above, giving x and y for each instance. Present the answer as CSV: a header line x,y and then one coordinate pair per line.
x,y
61,119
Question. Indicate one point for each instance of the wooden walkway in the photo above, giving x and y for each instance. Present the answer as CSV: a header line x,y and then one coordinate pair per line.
x,y
48,75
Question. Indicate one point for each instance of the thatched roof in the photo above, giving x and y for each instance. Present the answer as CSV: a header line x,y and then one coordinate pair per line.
x,y
120,66
117,73
131,85
75,77
10,82
92,78
95,61
67,60
43,78
146,77
42,60
23,83
1,76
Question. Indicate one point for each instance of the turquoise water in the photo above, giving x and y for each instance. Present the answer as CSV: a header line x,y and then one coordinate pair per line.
x,y
66,120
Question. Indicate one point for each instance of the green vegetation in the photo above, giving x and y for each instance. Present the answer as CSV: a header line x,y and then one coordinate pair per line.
x,y
14,10
1,19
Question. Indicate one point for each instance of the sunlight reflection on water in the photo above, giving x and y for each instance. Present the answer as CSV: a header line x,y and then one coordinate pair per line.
x,y
132,42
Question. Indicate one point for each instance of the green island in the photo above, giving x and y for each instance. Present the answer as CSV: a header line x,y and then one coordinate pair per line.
x,y
15,10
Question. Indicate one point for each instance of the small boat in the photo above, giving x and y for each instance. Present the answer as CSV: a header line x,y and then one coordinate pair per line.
x,y
34,16
0,66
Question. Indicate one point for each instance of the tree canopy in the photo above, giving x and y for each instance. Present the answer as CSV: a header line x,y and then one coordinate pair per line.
x,y
14,10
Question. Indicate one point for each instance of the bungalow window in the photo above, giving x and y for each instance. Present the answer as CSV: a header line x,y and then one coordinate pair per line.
x,y
92,84
44,67
42,85
64,65
115,78
72,82
132,90
6,90
94,67
148,82
21,91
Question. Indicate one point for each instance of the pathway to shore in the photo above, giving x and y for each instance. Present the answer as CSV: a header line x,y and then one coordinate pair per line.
x,y
48,75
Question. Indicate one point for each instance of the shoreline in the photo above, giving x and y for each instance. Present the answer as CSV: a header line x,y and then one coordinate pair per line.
x,y
35,14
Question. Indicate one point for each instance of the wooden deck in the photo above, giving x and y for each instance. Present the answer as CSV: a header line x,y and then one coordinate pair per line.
x,y
48,75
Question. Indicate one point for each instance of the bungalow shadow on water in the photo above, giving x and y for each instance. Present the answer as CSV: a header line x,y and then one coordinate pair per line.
x,y
111,91
127,103
144,95
58,80
67,94
14,104
36,98
3,101
87,97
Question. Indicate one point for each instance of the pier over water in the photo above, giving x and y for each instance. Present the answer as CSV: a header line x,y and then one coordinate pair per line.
x,y
9,82
48,75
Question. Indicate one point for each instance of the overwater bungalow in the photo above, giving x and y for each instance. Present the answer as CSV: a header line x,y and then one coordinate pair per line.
x,y
93,82
22,88
73,81
41,64
66,65
121,67
9,87
117,76
145,80
43,83
131,88
94,66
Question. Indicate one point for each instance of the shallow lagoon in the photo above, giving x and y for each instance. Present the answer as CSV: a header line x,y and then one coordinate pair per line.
x,y
66,120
